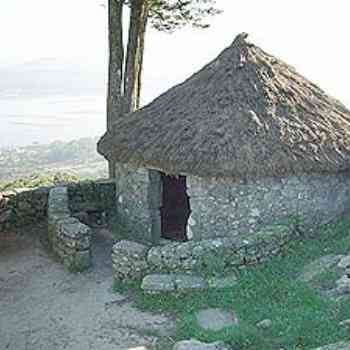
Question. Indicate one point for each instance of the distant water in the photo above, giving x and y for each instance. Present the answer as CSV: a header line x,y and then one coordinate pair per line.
x,y
28,120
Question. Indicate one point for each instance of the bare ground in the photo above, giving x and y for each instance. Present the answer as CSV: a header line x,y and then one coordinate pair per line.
x,y
42,306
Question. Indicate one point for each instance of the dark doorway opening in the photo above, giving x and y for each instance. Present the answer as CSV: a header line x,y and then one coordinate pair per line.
x,y
175,209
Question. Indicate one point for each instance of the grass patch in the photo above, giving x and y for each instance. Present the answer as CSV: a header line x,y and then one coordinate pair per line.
x,y
326,280
123,288
302,318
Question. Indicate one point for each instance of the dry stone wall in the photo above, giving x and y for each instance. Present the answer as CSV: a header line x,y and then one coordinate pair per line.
x,y
22,206
93,197
69,238
62,207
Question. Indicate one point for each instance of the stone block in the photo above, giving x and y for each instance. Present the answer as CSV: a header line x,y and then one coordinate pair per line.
x,y
216,319
222,282
264,324
189,282
73,228
158,284
197,345
180,283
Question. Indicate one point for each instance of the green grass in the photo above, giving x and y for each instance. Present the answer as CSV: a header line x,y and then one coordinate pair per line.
x,y
302,318
326,280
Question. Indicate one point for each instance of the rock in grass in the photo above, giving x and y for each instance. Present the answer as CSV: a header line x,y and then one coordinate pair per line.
x,y
319,266
345,324
197,345
343,285
216,319
264,324
344,262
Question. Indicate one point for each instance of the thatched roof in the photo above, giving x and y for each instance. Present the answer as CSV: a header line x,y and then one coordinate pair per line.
x,y
244,115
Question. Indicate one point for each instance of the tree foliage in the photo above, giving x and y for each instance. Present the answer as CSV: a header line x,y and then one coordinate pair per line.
x,y
169,15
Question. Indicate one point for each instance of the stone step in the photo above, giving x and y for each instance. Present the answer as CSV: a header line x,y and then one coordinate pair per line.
x,y
197,345
215,319
162,283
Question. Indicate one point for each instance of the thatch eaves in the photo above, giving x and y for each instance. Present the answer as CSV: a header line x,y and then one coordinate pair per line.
x,y
244,115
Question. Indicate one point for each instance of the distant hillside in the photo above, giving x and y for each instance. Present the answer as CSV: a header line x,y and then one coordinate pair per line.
x,y
77,157
47,77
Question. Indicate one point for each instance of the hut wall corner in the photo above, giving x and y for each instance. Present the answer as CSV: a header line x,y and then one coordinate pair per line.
x,y
137,193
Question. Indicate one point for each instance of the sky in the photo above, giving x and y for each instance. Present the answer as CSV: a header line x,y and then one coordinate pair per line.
x,y
310,35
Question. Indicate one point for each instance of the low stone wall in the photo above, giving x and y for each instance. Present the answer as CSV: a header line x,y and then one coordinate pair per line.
x,y
213,257
129,261
93,198
65,208
69,238
22,206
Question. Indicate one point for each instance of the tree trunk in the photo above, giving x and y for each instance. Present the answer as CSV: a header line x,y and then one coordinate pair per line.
x,y
124,82
115,68
136,41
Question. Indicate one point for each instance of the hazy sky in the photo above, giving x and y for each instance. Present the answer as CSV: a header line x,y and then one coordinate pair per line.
x,y
310,35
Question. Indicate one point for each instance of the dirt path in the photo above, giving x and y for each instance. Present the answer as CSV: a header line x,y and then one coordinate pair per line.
x,y
44,307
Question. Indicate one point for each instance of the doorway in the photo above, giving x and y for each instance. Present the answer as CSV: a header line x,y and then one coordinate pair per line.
x,y
175,209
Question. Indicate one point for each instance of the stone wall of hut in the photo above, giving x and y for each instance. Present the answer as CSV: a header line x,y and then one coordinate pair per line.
x,y
138,197
228,209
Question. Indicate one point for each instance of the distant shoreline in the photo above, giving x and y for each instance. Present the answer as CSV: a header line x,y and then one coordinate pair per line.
x,y
78,157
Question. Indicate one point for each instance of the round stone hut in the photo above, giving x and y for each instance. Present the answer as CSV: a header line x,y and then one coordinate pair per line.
x,y
243,143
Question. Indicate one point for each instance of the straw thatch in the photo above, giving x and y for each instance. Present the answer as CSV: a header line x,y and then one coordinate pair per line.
x,y
244,115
